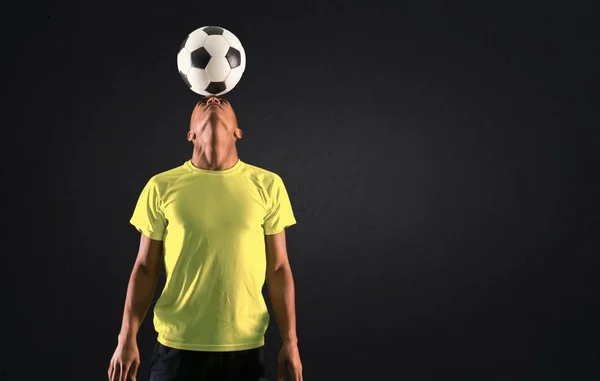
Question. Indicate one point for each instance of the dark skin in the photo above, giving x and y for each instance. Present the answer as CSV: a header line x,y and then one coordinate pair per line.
x,y
213,133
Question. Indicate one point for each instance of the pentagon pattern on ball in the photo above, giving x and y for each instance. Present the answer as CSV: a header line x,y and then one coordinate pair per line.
x,y
234,57
211,60
213,30
216,87
200,58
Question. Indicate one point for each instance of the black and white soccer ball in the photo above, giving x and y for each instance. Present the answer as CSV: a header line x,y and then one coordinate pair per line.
x,y
211,60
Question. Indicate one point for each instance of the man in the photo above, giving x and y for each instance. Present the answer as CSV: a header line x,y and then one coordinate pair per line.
x,y
218,226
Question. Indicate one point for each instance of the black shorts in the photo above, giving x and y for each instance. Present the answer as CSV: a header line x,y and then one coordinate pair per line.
x,y
169,364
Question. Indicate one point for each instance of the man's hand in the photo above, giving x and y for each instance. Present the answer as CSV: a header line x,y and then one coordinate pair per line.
x,y
125,362
289,356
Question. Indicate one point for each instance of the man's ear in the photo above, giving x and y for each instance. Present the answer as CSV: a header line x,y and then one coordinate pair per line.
x,y
190,136
238,133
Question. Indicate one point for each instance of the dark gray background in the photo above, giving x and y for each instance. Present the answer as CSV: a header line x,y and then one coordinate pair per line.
x,y
440,160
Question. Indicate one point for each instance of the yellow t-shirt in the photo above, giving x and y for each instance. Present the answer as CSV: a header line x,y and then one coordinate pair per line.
x,y
213,226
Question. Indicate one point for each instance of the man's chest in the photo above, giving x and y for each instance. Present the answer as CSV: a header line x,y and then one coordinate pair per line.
x,y
217,206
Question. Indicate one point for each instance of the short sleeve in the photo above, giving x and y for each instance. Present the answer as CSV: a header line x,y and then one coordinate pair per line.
x,y
280,214
148,217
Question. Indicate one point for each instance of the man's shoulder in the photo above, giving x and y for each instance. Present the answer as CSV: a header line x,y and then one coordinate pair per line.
x,y
165,178
261,174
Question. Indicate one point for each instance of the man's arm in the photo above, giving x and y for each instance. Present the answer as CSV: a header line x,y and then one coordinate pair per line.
x,y
142,284
280,284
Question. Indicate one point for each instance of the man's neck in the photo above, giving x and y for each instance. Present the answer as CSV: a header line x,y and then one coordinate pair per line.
x,y
215,159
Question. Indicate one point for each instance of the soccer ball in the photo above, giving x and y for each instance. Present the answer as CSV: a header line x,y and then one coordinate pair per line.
x,y
211,60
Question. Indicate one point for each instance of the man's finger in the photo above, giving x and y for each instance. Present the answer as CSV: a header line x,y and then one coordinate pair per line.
x,y
115,372
296,374
133,371
127,371
111,371
123,372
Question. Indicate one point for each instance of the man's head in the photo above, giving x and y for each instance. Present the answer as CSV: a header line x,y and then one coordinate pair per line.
x,y
213,121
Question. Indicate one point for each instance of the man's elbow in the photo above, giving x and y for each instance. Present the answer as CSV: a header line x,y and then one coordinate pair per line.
x,y
146,270
280,270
